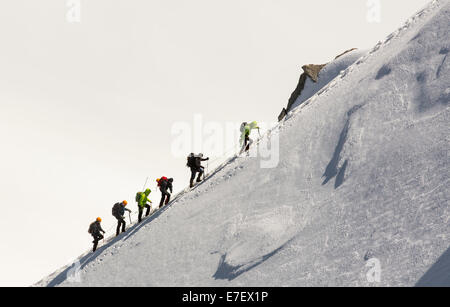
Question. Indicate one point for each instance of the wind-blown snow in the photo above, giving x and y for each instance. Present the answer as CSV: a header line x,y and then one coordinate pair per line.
x,y
363,174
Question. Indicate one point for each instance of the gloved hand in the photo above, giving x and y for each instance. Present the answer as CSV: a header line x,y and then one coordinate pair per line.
x,y
207,158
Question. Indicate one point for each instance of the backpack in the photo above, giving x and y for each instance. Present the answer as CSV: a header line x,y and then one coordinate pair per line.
x,y
115,209
161,180
243,126
138,197
91,228
190,161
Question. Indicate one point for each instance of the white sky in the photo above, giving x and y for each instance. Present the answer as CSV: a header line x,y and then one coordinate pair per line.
x,y
86,109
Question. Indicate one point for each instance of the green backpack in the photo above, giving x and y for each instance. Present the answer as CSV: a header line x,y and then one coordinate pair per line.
x,y
138,197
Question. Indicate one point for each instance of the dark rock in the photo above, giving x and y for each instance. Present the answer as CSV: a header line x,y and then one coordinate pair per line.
x,y
312,71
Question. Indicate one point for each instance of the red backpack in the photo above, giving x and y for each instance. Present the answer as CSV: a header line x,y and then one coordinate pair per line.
x,y
161,179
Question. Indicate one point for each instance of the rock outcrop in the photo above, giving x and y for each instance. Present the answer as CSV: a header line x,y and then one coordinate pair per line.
x,y
312,71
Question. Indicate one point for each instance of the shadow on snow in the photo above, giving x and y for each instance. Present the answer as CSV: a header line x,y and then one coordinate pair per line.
x,y
438,275
230,272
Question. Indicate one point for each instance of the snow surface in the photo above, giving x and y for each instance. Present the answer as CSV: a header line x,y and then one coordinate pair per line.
x,y
363,174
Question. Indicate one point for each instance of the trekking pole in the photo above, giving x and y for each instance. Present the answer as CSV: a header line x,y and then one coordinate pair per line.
x,y
129,215
146,179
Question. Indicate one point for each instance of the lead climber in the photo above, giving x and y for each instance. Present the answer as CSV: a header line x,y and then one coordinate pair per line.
x,y
245,139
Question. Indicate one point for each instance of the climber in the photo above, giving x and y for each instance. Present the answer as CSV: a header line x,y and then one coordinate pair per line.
x,y
164,184
245,139
142,201
94,229
194,162
118,211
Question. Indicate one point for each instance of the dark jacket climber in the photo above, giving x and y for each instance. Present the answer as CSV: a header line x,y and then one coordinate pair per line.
x,y
165,185
194,163
118,211
95,230
142,200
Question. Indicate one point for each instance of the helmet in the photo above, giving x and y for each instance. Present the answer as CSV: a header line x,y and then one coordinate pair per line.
x,y
157,180
125,202
99,219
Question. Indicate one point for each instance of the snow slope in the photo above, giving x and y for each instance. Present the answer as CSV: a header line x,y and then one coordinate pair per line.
x,y
363,174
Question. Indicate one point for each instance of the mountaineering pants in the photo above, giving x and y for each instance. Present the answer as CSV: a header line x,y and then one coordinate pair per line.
x,y
165,196
97,237
141,210
120,223
247,143
200,170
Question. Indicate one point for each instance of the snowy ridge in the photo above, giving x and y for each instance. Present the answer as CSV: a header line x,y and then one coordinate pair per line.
x,y
363,175
421,14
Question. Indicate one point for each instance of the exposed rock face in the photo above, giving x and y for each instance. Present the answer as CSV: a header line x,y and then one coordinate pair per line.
x,y
282,114
312,71
345,52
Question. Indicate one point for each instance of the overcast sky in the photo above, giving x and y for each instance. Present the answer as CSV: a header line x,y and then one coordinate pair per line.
x,y
87,108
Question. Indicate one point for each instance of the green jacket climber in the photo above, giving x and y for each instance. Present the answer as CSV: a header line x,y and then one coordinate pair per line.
x,y
246,129
143,199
